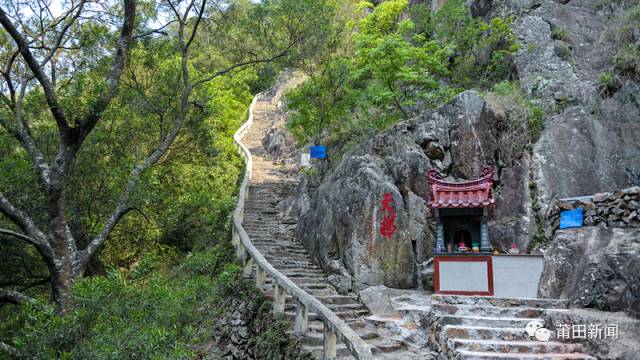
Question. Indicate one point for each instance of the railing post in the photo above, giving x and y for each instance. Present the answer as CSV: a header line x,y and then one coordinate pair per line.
x,y
240,251
248,265
329,344
260,278
235,238
301,322
278,299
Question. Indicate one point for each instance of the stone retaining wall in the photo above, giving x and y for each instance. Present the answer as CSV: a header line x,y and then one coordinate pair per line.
x,y
618,209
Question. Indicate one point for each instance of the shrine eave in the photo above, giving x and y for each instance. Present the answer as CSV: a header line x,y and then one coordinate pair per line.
x,y
464,194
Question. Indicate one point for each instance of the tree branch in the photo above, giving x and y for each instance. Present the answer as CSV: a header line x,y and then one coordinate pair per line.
x,y
37,70
19,236
8,348
59,39
14,297
119,60
22,134
195,26
155,31
241,64
23,221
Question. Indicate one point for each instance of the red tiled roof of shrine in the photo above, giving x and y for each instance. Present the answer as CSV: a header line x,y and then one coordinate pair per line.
x,y
464,194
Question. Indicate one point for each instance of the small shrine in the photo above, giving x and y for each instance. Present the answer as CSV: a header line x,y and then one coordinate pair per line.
x,y
464,263
460,210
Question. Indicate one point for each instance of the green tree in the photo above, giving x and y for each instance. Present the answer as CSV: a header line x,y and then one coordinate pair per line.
x,y
62,108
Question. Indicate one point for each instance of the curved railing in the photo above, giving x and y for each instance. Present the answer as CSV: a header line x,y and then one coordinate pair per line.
x,y
334,327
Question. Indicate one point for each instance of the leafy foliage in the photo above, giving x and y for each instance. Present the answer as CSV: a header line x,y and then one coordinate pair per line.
x,y
150,313
624,61
395,65
152,302
520,122
482,50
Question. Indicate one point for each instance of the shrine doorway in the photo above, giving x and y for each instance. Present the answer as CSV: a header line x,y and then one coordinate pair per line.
x,y
461,226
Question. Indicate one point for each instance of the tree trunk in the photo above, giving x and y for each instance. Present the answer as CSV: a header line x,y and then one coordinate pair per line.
x,y
61,282
63,269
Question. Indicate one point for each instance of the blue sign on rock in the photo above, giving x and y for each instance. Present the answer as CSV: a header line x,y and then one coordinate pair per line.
x,y
318,152
571,218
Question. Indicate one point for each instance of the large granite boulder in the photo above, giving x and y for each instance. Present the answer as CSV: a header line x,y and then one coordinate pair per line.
x,y
624,346
370,212
594,267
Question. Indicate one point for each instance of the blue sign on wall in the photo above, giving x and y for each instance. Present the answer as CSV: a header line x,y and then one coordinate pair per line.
x,y
571,218
318,152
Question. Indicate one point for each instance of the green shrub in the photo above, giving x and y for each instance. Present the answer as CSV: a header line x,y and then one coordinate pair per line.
x,y
559,33
148,313
627,61
608,82
208,263
403,59
483,51
520,122
624,62
562,50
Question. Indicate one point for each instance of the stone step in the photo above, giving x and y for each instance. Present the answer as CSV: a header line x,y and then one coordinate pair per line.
x,y
346,307
380,346
507,322
485,333
290,315
294,266
317,351
301,272
315,336
338,299
281,243
485,355
499,302
304,280
378,321
297,259
297,266
501,346
492,311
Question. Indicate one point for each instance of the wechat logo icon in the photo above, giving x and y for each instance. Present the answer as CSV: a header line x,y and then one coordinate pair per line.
x,y
535,328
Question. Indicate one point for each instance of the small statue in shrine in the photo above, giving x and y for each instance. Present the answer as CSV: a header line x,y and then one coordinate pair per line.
x,y
462,247
514,249
475,247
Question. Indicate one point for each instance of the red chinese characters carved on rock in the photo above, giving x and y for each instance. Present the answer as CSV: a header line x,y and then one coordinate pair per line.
x,y
388,222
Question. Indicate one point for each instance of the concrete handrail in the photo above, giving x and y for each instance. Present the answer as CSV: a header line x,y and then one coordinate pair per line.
x,y
334,326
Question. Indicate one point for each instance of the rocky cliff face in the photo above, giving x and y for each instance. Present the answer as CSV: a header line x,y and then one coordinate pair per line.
x,y
589,144
590,141
347,216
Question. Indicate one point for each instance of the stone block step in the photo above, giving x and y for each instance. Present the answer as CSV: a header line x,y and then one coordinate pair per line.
x,y
292,257
485,333
485,321
315,336
305,280
380,346
302,272
485,355
352,314
338,299
492,311
301,269
318,350
500,302
501,346
346,307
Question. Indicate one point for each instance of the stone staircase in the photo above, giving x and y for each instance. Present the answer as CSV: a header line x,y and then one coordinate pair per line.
x,y
486,328
273,235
